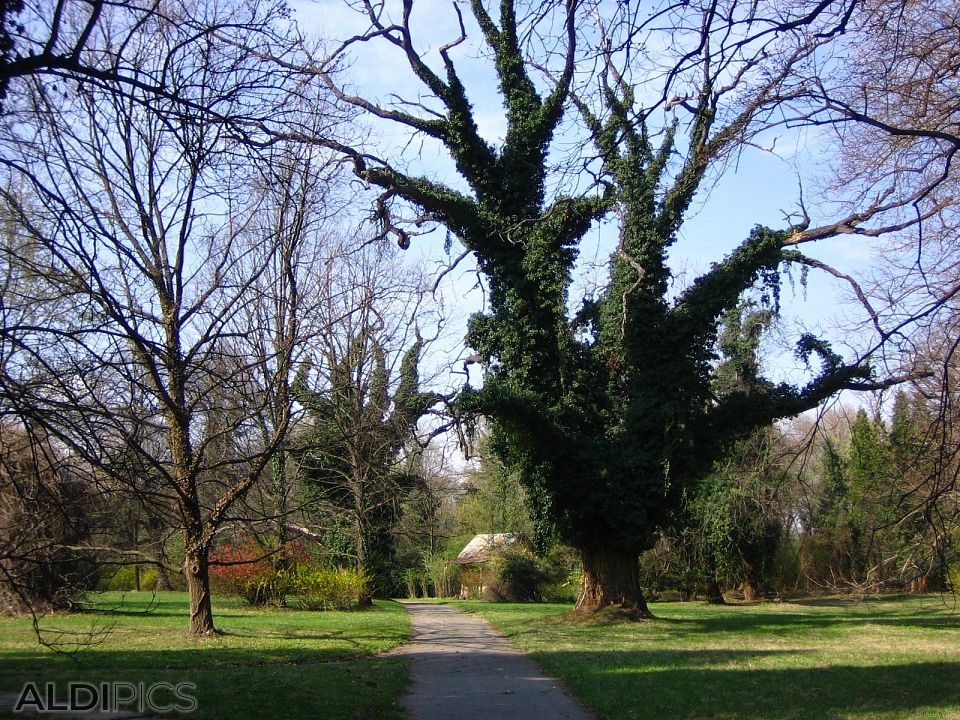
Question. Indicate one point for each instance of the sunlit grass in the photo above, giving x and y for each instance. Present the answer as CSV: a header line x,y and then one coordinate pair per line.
x,y
877,658
266,663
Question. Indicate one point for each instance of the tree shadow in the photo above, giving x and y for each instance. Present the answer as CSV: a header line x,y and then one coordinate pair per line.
x,y
154,613
34,662
228,682
683,685
844,616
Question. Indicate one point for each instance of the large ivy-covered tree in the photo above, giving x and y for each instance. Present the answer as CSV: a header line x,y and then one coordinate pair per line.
x,y
605,411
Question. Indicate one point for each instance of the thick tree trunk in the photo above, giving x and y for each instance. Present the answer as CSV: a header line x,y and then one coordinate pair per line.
x,y
197,571
714,593
611,578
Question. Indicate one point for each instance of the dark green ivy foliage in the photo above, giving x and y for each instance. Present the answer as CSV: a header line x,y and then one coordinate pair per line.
x,y
351,454
9,28
724,530
608,416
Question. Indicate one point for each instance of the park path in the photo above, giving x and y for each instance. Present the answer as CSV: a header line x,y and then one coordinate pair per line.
x,y
464,669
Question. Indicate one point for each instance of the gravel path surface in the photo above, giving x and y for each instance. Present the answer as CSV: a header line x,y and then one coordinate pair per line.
x,y
464,669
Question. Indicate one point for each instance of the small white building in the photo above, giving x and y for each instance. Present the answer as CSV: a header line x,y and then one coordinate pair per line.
x,y
474,577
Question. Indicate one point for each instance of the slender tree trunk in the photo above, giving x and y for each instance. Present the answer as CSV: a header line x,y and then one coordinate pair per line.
x,y
363,562
197,571
712,586
279,489
611,578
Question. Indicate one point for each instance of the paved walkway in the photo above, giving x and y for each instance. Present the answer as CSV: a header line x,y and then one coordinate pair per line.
x,y
463,669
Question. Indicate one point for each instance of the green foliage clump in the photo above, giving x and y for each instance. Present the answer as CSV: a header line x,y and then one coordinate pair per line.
x,y
263,586
418,585
953,578
564,575
519,575
129,578
438,576
323,588
443,575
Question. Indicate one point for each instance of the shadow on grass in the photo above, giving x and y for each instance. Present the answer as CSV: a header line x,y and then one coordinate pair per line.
x,y
156,613
205,656
702,684
352,637
348,689
732,619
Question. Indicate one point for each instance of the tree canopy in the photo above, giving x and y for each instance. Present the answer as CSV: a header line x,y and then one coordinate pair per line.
x,y
608,410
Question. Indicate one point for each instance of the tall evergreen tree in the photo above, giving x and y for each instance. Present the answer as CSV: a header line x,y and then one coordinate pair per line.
x,y
351,452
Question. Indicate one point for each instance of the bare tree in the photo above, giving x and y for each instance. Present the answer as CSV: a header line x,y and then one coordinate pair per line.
x,y
45,507
296,233
144,218
885,97
92,42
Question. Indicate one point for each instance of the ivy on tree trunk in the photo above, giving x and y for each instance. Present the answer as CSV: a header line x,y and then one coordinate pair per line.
x,y
605,416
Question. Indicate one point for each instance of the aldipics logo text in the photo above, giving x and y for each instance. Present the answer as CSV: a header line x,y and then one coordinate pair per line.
x,y
161,697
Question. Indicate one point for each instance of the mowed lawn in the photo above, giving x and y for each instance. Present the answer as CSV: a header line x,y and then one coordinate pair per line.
x,y
828,659
268,663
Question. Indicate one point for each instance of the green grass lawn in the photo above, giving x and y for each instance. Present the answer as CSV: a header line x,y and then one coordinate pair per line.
x,y
830,659
265,664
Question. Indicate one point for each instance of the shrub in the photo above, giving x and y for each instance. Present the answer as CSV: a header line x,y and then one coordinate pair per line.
x,y
564,589
247,573
324,588
443,575
788,573
519,576
124,578
417,582
565,575
953,577
663,571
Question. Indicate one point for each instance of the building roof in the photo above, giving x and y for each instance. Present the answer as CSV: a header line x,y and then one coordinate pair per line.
x,y
479,548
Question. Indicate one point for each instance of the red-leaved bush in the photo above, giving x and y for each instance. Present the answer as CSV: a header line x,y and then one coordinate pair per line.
x,y
249,570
